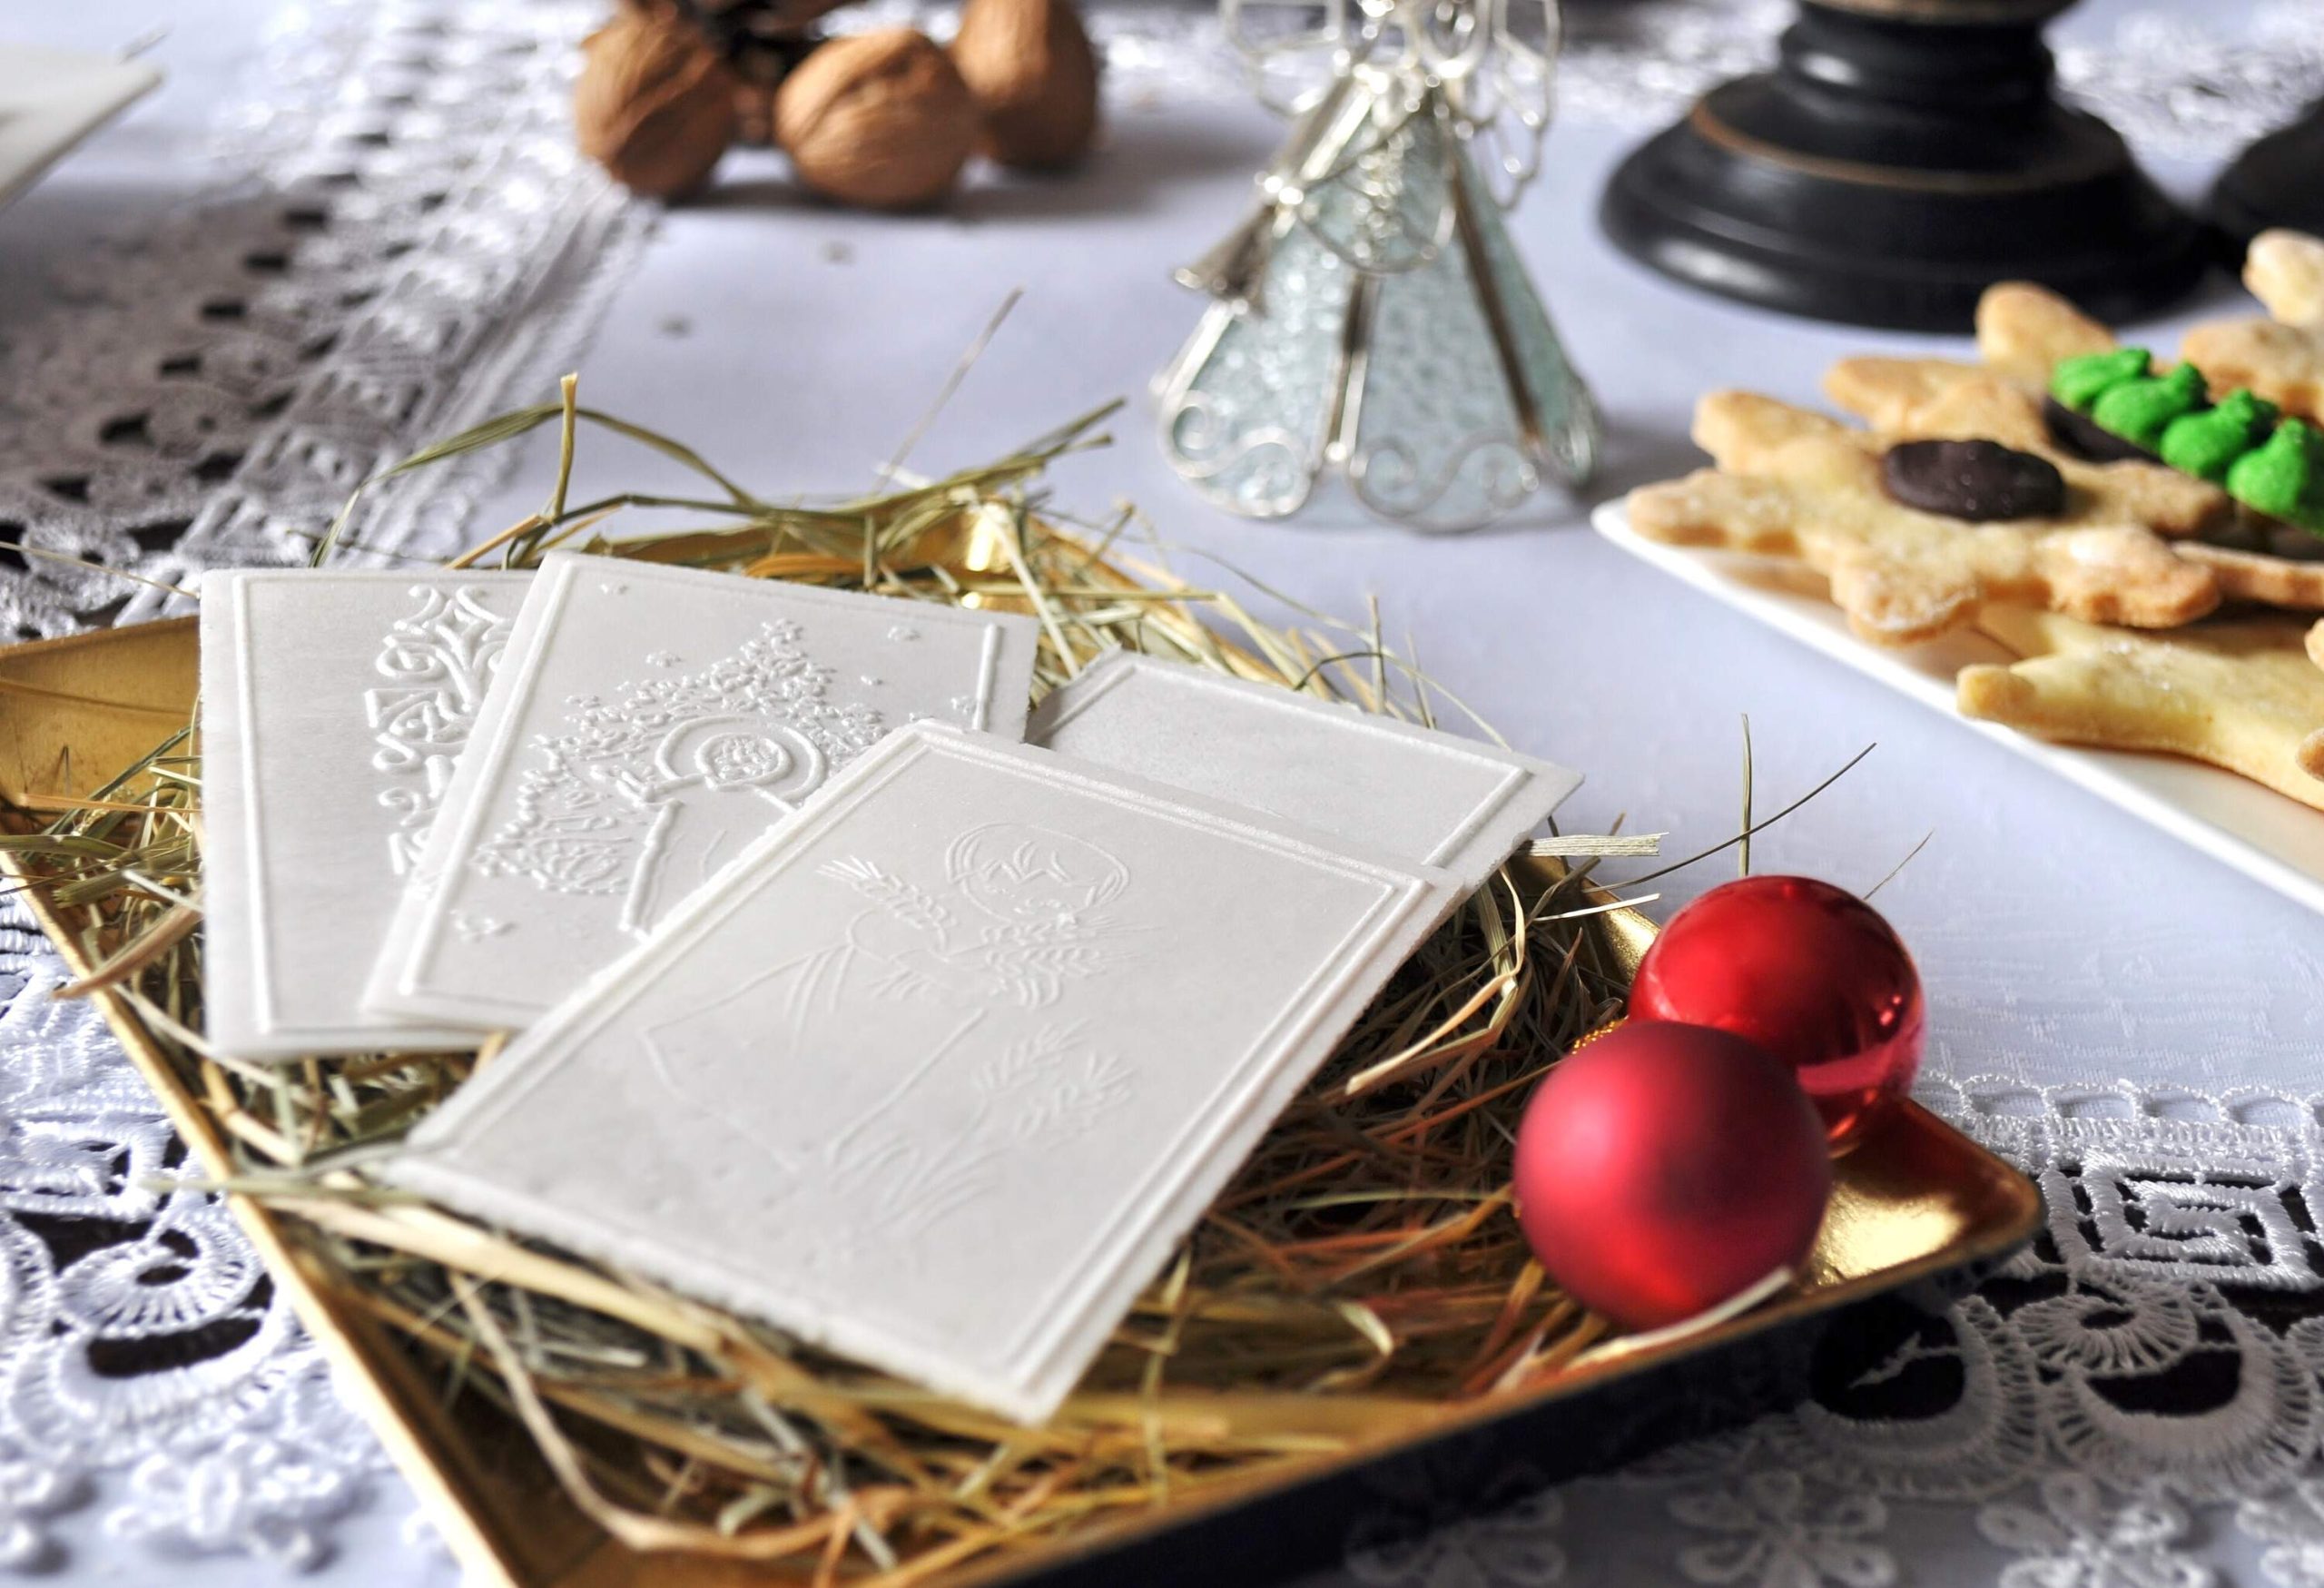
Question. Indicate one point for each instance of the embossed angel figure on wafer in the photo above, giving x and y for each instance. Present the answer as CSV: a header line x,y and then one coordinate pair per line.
x,y
1370,315
1021,913
618,803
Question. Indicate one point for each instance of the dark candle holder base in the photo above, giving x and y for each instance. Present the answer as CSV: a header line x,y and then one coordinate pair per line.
x,y
2279,181
1903,156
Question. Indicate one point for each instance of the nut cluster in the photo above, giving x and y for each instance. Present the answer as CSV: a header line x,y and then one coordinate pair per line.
x,y
884,120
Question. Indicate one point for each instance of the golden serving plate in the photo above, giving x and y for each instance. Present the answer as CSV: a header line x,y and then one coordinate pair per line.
x,y
1916,1202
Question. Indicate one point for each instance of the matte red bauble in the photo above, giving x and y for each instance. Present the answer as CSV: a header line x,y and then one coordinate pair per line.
x,y
1662,1169
1808,972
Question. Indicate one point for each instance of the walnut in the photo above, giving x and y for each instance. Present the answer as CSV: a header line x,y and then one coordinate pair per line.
x,y
880,119
655,104
1035,78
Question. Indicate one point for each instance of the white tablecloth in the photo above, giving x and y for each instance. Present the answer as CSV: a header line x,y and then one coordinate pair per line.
x,y
2069,950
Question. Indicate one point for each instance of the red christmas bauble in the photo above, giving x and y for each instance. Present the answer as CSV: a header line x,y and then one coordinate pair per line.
x,y
1662,1169
1808,972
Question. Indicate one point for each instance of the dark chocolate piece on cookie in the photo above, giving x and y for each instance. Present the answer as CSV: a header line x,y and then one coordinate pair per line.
x,y
2083,437
1975,481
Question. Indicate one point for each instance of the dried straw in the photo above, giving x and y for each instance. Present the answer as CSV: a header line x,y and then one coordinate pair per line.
x,y
1360,1274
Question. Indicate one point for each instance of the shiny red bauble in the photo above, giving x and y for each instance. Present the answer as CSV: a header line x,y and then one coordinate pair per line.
x,y
1662,1169
1807,970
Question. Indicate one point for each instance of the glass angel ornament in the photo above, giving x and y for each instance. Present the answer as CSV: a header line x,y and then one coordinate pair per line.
x,y
1372,314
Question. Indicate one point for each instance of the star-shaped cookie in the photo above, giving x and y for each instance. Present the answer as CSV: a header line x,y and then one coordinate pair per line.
x,y
1795,484
1911,399
2280,358
2238,693
2023,331
2258,577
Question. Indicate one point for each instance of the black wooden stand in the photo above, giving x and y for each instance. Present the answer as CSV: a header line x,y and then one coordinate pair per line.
x,y
1903,156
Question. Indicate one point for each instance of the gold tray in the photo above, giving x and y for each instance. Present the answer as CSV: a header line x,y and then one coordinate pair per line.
x,y
1917,1201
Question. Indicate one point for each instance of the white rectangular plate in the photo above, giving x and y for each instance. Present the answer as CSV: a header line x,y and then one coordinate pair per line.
x,y
938,1074
334,707
2259,831
1421,794
52,99
648,724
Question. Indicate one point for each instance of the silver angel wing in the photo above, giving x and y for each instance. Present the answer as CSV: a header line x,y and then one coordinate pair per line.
x,y
1363,172
1508,99
1495,58
1294,49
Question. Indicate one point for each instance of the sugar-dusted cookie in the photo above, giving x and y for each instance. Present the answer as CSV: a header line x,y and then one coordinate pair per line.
x,y
2285,271
2238,693
1892,394
1742,430
2024,331
1901,575
2255,576
1921,400
2280,358
2283,363
2030,491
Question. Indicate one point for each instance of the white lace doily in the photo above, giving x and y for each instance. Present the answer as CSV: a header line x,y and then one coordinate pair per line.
x,y
141,1341
2132,1399
401,240
2176,81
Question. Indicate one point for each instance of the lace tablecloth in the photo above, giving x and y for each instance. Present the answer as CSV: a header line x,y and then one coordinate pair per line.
x,y
366,227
